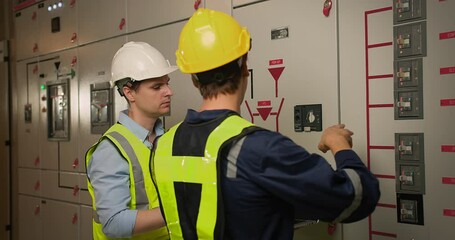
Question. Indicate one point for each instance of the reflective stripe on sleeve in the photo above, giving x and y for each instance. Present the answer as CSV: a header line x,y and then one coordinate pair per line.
x,y
232,158
358,191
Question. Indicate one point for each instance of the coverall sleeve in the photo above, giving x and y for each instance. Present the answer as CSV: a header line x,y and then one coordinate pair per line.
x,y
308,182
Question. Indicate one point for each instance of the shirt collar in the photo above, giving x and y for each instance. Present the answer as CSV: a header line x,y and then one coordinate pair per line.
x,y
139,131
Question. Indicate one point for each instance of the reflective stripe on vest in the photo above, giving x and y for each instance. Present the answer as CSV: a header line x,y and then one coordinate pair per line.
x,y
143,193
142,201
192,173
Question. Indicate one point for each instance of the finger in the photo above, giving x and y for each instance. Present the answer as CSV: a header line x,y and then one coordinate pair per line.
x,y
349,132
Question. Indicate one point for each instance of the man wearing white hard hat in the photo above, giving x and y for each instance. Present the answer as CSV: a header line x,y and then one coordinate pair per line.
x,y
125,202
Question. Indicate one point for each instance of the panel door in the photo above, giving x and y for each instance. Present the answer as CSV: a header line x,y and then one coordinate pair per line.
x,y
28,114
94,68
30,218
61,220
26,26
144,14
57,27
100,19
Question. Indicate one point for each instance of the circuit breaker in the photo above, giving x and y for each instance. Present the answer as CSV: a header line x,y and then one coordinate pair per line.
x,y
410,40
408,104
409,147
58,116
408,73
408,10
410,178
409,163
410,208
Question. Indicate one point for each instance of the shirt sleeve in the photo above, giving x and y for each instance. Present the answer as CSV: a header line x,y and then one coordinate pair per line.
x,y
307,181
108,172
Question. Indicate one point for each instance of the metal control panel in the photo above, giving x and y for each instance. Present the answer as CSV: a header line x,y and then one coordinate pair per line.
x,y
101,105
58,113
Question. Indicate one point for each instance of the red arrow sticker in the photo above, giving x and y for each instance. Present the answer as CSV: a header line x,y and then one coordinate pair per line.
x,y
276,72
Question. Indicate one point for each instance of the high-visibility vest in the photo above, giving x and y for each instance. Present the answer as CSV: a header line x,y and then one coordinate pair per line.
x,y
189,186
143,192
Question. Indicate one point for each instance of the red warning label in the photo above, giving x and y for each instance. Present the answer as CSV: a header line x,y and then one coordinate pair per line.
x,y
448,148
275,62
447,35
449,212
448,180
447,102
447,70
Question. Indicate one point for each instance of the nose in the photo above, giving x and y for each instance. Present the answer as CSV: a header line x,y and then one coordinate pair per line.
x,y
168,90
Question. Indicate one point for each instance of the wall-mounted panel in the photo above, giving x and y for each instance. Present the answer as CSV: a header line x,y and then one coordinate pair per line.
x,y
94,26
30,182
86,217
65,216
144,14
26,27
94,67
28,115
292,62
240,3
48,152
58,27
30,216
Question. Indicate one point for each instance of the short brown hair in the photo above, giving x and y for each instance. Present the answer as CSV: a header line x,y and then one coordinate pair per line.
x,y
227,86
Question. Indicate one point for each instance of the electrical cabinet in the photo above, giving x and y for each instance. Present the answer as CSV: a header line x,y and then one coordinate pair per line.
x,y
57,28
93,26
27,82
145,14
27,32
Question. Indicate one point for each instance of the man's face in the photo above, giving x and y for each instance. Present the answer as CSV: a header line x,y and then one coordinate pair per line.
x,y
153,97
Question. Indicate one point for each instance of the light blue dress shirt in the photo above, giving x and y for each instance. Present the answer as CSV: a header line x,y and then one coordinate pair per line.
x,y
109,174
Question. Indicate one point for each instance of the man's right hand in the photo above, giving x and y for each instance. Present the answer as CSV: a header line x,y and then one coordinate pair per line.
x,y
335,138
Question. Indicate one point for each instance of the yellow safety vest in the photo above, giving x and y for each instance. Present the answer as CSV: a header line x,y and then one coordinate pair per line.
x,y
143,192
188,186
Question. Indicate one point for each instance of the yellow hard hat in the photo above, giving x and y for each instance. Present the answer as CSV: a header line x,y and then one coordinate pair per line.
x,y
210,39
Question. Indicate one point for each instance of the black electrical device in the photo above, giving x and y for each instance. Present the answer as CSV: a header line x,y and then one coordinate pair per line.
x,y
410,208
55,24
308,118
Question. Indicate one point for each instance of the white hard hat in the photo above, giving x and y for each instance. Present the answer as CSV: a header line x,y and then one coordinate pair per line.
x,y
136,61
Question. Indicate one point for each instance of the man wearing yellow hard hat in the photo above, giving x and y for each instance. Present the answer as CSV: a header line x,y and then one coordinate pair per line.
x,y
219,176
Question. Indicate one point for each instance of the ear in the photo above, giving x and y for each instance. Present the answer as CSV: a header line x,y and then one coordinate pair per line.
x,y
244,67
195,81
128,93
